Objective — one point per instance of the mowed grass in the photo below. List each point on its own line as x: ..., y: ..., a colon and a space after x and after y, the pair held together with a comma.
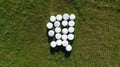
x: 23, y: 40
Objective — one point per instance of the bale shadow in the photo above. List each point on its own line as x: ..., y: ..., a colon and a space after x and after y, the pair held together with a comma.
x: 56, y: 49
x: 52, y: 50
x: 70, y: 42
x: 67, y: 54
x: 61, y: 49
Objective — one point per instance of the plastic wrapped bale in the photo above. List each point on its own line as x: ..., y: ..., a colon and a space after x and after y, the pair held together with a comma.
x: 71, y: 29
x: 53, y: 44
x: 52, y: 18
x: 58, y: 30
x: 51, y: 33
x: 68, y: 48
x: 72, y: 16
x: 71, y: 23
x: 49, y: 25
x: 58, y: 36
x: 66, y: 16
x: 64, y: 30
x: 56, y: 23
x: 59, y: 42
x: 59, y: 17
x: 64, y: 23
x: 70, y: 36
x: 64, y: 37
x: 65, y: 43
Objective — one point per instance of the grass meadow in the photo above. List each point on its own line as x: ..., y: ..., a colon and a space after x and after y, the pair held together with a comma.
x: 23, y: 40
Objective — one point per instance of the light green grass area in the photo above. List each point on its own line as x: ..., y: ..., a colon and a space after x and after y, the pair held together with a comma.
x: 23, y: 40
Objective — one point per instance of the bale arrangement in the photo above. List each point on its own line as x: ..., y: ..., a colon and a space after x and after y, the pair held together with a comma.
x: 61, y: 27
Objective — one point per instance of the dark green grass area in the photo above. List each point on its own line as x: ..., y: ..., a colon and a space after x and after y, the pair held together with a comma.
x: 23, y: 40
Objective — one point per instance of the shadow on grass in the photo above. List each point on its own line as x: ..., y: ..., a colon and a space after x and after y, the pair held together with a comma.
x: 61, y: 49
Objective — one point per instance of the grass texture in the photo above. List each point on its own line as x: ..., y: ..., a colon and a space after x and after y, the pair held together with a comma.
x: 23, y: 40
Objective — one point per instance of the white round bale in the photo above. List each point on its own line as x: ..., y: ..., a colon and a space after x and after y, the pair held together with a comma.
x: 49, y: 25
x: 72, y: 16
x: 71, y: 29
x: 65, y: 43
x: 59, y: 42
x: 64, y: 30
x: 59, y: 17
x: 64, y: 23
x: 53, y: 44
x: 56, y: 23
x: 71, y: 23
x: 68, y: 48
x: 51, y: 33
x: 57, y: 29
x: 58, y: 36
x: 70, y: 36
x: 64, y: 37
x: 52, y: 18
x: 66, y: 16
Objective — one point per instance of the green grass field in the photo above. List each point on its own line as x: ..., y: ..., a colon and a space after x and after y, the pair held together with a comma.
x: 23, y: 40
